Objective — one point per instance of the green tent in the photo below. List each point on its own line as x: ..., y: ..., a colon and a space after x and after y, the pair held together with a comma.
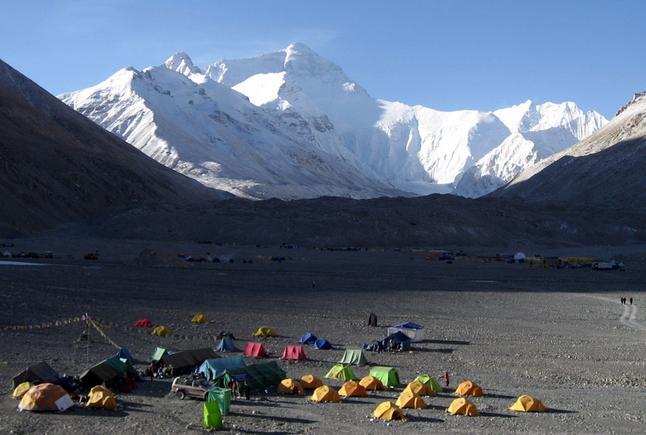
x: 259, y: 376
x: 212, y: 415
x: 430, y: 381
x: 354, y: 357
x: 107, y: 372
x: 341, y: 373
x: 387, y: 375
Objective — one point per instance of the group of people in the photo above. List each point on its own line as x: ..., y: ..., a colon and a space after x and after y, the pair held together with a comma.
x: 624, y: 300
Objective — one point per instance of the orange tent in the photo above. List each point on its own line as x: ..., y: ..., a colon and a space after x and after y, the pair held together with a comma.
x: 325, y: 394
x: 420, y: 389
x: 311, y: 382
x: 45, y: 397
x: 294, y: 353
x: 463, y: 407
x: 526, y: 403
x: 290, y: 386
x: 371, y: 383
x: 255, y: 350
x: 352, y: 389
x: 388, y: 411
x: 408, y: 399
x: 101, y: 397
x: 468, y: 388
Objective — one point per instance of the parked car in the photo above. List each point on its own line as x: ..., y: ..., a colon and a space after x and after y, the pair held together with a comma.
x: 184, y: 387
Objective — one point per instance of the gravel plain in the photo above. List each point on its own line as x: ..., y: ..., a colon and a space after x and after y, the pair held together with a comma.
x: 560, y: 335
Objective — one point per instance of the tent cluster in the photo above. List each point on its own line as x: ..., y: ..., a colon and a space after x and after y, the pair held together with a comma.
x: 317, y: 343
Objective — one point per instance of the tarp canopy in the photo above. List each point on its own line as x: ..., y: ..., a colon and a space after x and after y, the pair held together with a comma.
x: 415, y: 334
x: 468, y: 388
x: 354, y: 357
x: 311, y: 382
x: 407, y: 325
x: 526, y: 403
x: 462, y: 406
x: 226, y: 345
x: 143, y: 323
x: 341, y: 373
x: 408, y: 399
x: 262, y: 376
x: 307, y: 338
x: 45, y: 397
x: 293, y: 353
x: 322, y: 344
x: 430, y: 382
x: 325, y: 394
x: 255, y: 350
x: 107, y: 372
x: 264, y: 331
x: 387, y: 375
x: 352, y: 389
x: 213, y: 368
x: 388, y: 411
x: 36, y: 374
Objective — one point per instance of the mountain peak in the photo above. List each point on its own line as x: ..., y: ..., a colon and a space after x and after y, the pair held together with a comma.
x: 181, y: 63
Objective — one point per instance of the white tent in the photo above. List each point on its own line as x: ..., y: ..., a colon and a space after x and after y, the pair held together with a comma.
x: 519, y: 257
x: 412, y: 330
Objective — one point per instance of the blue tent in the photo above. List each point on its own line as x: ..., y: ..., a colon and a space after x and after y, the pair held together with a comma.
x: 398, y: 341
x: 408, y: 325
x: 213, y: 368
x: 226, y: 345
x: 308, y: 338
x: 124, y: 353
x: 322, y: 343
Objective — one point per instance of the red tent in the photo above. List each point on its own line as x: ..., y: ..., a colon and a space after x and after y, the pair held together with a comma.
x: 293, y: 353
x: 143, y: 323
x: 255, y: 350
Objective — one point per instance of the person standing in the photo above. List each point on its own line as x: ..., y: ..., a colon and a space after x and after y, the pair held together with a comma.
x: 446, y: 378
x: 631, y: 301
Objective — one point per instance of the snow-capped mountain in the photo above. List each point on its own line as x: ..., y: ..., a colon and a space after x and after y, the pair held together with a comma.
x: 537, y: 131
x: 214, y: 134
x: 292, y: 124
x: 606, y: 169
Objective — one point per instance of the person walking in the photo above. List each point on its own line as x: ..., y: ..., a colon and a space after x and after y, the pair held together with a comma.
x: 446, y: 379
x: 631, y: 301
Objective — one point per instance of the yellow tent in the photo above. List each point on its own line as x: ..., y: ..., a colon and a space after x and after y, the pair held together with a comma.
x: 352, y: 389
x: 407, y: 399
x: 526, y: 403
x: 21, y: 389
x: 371, y: 383
x: 45, y: 397
x: 264, y: 331
x: 420, y: 389
x: 388, y: 411
x: 290, y: 386
x: 463, y: 407
x: 161, y: 331
x: 325, y: 394
x: 101, y: 397
x: 199, y: 318
x: 468, y: 388
x: 311, y: 382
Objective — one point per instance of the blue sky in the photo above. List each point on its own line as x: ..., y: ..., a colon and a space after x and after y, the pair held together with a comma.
x: 453, y: 54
